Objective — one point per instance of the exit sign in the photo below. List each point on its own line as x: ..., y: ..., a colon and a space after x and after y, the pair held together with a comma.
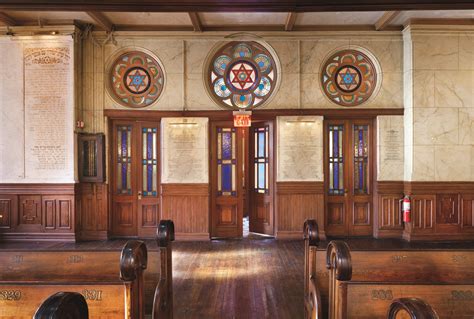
x: 242, y: 119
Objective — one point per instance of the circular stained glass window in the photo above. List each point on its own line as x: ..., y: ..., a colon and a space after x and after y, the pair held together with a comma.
x: 242, y: 75
x: 136, y: 79
x: 349, y: 77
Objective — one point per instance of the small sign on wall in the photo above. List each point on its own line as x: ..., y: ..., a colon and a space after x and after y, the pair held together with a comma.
x: 242, y: 119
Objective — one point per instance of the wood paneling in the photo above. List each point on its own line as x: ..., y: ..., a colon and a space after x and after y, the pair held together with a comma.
x: 440, y: 211
x: 37, y: 211
x: 296, y: 202
x: 388, y: 214
x: 187, y: 205
x: 93, y: 215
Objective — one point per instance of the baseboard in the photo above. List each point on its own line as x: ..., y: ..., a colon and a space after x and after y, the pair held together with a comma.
x: 86, y: 235
x: 63, y: 237
x: 438, y: 237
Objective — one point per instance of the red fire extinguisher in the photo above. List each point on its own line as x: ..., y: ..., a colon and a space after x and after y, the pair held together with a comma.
x: 406, y: 209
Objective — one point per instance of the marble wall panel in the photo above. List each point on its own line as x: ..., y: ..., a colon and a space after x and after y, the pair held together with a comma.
x: 185, y: 150
x: 435, y: 52
x: 452, y: 163
x: 300, y: 148
x: 390, y: 145
x: 454, y: 89
x: 466, y: 51
x: 435, y: 126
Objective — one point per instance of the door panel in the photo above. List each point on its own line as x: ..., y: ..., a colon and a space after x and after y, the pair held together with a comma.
x: 135, y: 179
x: 226, y: 177
x: 261, y: 175
x: 348, y: 177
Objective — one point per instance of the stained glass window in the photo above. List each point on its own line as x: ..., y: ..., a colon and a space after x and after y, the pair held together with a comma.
x: 136, y: 79
x: 89, y: 149
x: 149, y: 161
x: 226, y: 161
x: 361, y: 155
x: 349, y: 77
x: 261, y: 159
x: 336, y: 160
x: 124, y: 160
x: 242, y: 75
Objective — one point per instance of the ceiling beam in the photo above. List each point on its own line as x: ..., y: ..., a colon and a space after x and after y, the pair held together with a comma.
x: 385, y: 19
x: 197, y: 25
x: 290, y: 21
x: 234, y: 5
x: 7, y: 20
x: 101, y: 20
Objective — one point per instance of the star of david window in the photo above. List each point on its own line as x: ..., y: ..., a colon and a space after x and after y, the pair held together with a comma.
x: 136, y: 79
x: 349, y: 77
x: 242, y: 75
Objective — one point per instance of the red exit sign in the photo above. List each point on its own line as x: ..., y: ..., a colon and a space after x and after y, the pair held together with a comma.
x: 242, y: 120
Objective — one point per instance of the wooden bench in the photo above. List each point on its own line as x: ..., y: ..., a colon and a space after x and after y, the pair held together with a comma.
x: 413, y: 308
x: 433, y: 265
x: 371, y: 299
x: 68, y: 305
x: 90, y: 266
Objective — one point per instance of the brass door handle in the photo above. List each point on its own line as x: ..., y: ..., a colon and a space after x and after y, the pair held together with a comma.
x: 139, y: 195
x: 345, y: 191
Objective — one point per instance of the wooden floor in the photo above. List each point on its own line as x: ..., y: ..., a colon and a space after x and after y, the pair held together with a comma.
x: 240, y: 279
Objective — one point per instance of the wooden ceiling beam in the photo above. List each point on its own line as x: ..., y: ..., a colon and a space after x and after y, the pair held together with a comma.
x: 234, y: 5
x: 101, y: 20
x: 197, y: 25
x: 7, y: 20
x: 290, y: 21
x: 385, y: 20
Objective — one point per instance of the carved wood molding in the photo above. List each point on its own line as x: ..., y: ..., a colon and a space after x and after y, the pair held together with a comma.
x: 389, y: 187
x: 293, y: 188
x: 431, y: 188
x: 63, y: 189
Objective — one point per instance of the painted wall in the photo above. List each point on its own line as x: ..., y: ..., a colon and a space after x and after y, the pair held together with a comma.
x: 439, y: 103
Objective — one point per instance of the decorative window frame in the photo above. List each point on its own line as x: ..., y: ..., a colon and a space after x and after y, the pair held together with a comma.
x: 375, y: 61
x: 208, y: 64
x: 108, y: 69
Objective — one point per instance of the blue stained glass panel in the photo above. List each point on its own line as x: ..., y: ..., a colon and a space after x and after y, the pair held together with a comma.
x: 124, y: 159
x: 261, y: 144
x: 336, y: 160
x: 149, y: 142
x: 227, y: 177
x: 226, y: 145
x: 261, y: 175
x: 360, y: 159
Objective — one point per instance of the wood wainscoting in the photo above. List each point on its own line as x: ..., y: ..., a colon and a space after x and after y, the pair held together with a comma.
x: 388, y: 214
x: 187, y: 205
x: 296, y: 202
x: 37, y: 212
x: 92, y: 208
x: 440, y: 211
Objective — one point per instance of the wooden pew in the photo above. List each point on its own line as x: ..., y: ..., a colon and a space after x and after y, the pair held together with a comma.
x: 312, y: 297
x: 413, y: 308
x: 371, y: 299
x: 63, y: 305
x: 79, y: 265
x: 119, y: 297
x: 433, y: 265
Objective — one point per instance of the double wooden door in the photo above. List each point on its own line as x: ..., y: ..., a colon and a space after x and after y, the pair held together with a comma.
x: 349, y: 162
x: 135, y: 178
x: 241, y: 175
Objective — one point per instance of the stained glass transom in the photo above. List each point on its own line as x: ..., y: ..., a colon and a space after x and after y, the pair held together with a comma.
x: 261, y: 160
x: 136, y: 79
x: 349, y: 78
x: 242, y: 75
x: 226, y: 162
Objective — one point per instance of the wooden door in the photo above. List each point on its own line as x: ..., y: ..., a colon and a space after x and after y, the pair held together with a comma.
x: 261, y: 177
x: 135, y: 179
x: 226, y: 180
x: 348, y: 153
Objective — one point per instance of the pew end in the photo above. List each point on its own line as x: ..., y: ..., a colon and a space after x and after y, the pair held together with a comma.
x: 415, y: 308
x: 312, y: 297
x: 163, y: 296
x: 69, y: 305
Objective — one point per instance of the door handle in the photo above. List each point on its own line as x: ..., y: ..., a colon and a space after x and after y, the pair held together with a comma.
x: 345, y: 191
x: 139, y: 195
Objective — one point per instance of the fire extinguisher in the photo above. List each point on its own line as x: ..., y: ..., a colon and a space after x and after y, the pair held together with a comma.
x: 406, y: 209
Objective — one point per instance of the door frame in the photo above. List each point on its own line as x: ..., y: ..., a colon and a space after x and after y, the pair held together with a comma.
x: 372, y: 170
x: 273, y: 182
